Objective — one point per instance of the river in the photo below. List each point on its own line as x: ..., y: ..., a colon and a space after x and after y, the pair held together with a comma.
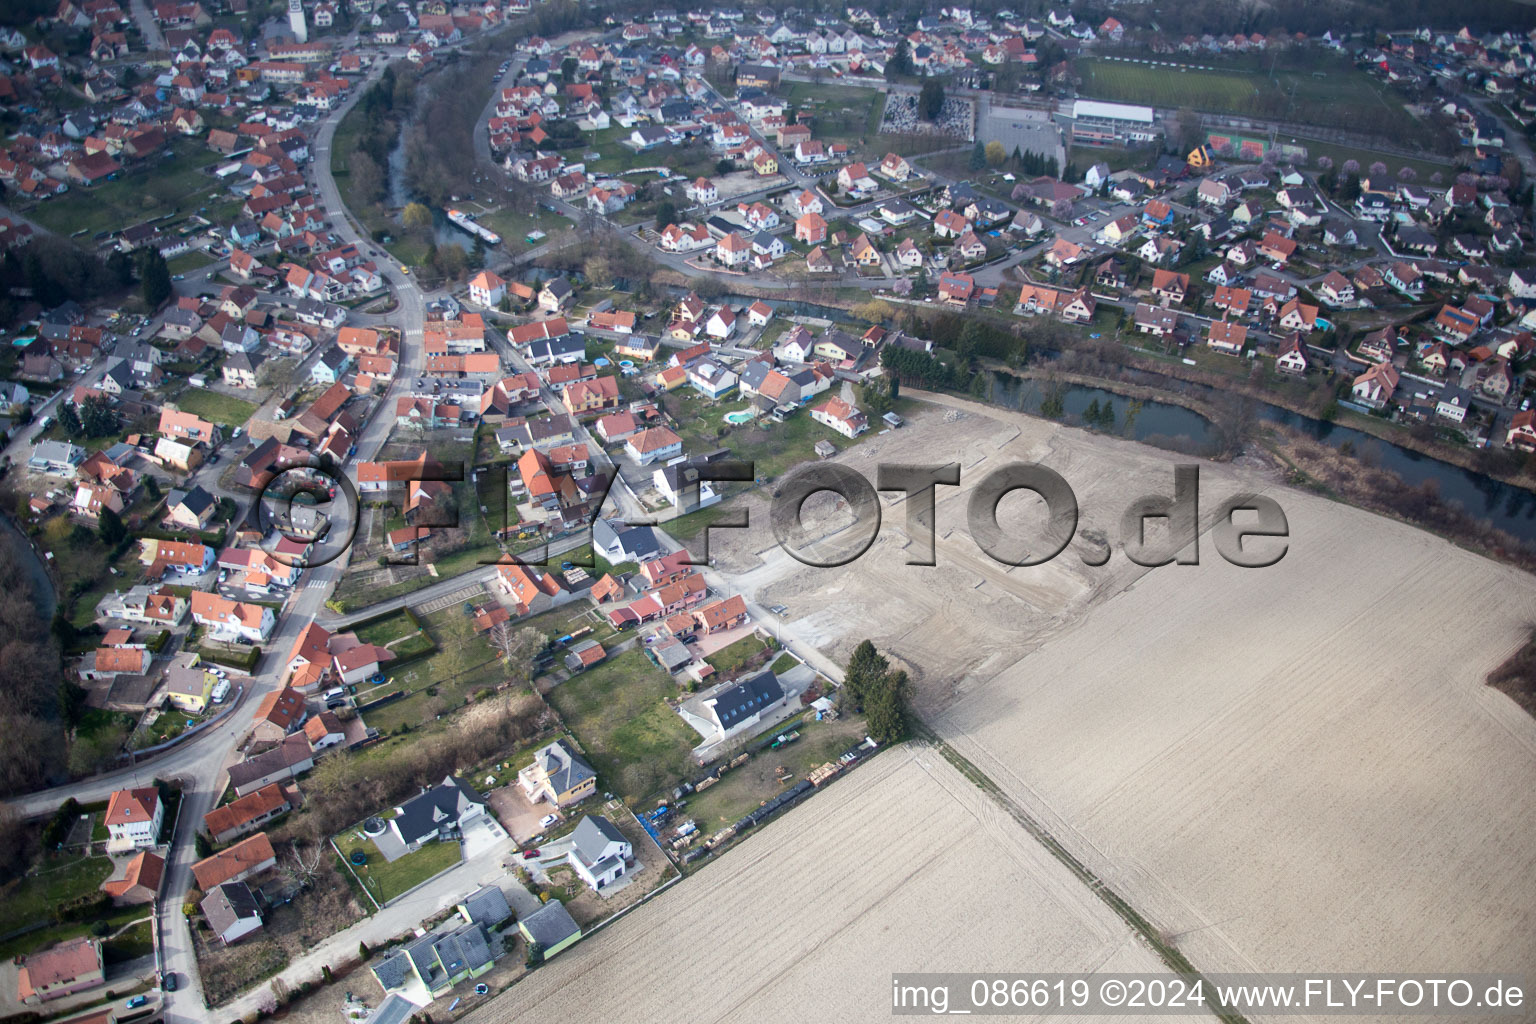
x: 1507, y: 507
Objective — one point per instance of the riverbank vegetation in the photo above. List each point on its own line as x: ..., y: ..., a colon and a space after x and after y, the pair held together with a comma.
x: 37, y: 706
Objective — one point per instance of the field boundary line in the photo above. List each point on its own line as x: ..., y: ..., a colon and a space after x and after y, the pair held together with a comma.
x: 1168, y: 953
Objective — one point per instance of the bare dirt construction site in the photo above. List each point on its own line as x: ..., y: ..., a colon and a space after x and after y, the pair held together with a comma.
x: 904, y: 865
x: 1289, y: 768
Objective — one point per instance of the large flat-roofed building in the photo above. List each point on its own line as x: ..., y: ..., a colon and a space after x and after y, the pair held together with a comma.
x: 1095, y: 123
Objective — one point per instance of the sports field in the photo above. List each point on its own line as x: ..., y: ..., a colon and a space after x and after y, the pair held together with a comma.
x: 1337, y: 95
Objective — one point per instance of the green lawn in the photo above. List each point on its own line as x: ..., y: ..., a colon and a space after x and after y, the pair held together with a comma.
x: 1328, y: 91
x: 568, y: 619
x: 687, y: 527
x: 783, y: 663
x: 731, y: 659
x: 190, y: 261
x: 155, y: 188
x: 1366, y: 157
x: 130, y: 944
x: 225, y: 410
x: 618, y: 711
x: 387, y: 880
x: 843, y: 113
x: 35, y: 897
x: 398, y: 632
x: 776, y: 448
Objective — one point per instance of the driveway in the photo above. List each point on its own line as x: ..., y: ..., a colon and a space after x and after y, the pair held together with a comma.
x: 517, y: 813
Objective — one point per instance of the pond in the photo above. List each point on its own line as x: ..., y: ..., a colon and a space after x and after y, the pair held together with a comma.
x: 1505, y: 506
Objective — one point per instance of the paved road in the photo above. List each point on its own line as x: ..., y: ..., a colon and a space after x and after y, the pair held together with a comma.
x: 396, y: 919
x: 148, y: 25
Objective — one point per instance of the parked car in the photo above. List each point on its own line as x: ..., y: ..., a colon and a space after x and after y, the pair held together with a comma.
x: 549, y: 821
x: 168, y: 981
x: 136, y: 1002
x: 530, y: 853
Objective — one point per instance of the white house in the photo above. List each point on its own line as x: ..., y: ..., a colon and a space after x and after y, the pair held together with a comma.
x: 599, y: 852
x: 741, y: 707
x: 134, y: 817
x: 722, y: 324
x: 487, y: 289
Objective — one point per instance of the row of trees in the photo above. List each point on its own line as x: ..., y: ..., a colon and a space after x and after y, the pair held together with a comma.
x: 383, y: 107
x: 35, y: 709
x: 440, y: 141
x: 54, y: 270
x: 882, y: 693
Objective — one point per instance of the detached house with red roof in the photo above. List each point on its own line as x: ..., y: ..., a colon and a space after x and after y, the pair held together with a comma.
x: 232, y: 620
x: 1374, y: 387
x: 134, y: 817
x: 279, y: 713
x: 841, y: 417
x: 69, y: 967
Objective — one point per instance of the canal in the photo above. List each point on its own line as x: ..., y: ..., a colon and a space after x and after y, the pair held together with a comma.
x: 1507, y: 507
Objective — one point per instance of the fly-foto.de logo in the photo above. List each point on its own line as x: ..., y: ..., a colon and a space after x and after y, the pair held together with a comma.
x: 317, y: 507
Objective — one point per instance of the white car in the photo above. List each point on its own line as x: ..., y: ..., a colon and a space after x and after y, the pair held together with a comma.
x: 549, y: 821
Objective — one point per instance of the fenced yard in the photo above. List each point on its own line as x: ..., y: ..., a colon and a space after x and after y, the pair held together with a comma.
x: 387, y: 880
x: 618, y: 710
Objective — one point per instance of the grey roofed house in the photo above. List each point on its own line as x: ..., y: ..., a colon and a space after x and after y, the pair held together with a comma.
x: 486, y: 906
x: 443, y: 806
x: 753, y: 372
x: 684, y: 472
x: 671, y: 654
x: 960, y: 195
x: 991, y: 211
x: 1411, y: 237
x: 237, y: 335
x: 183, y: 318
x: 242, y: 362
x: 592, y: 834
x: 66, y: 312
x: 464, y: 949
x: 121, y: 375
x: 195, y: 501
x: 289, y: 758
x: 559, y: 287
x: 563, y: 767
x: 120, y: 453
x: 744, y: 700
x: 540, y: 431
x: 635, y: 544
x: 56, y: 457
x: 554, y: 348
x: 550, y: 925
x: 392, y: 971
x: 676, y: 110
x: 228, y: 905
x: 652, y: 135
x: 395, y: 1009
